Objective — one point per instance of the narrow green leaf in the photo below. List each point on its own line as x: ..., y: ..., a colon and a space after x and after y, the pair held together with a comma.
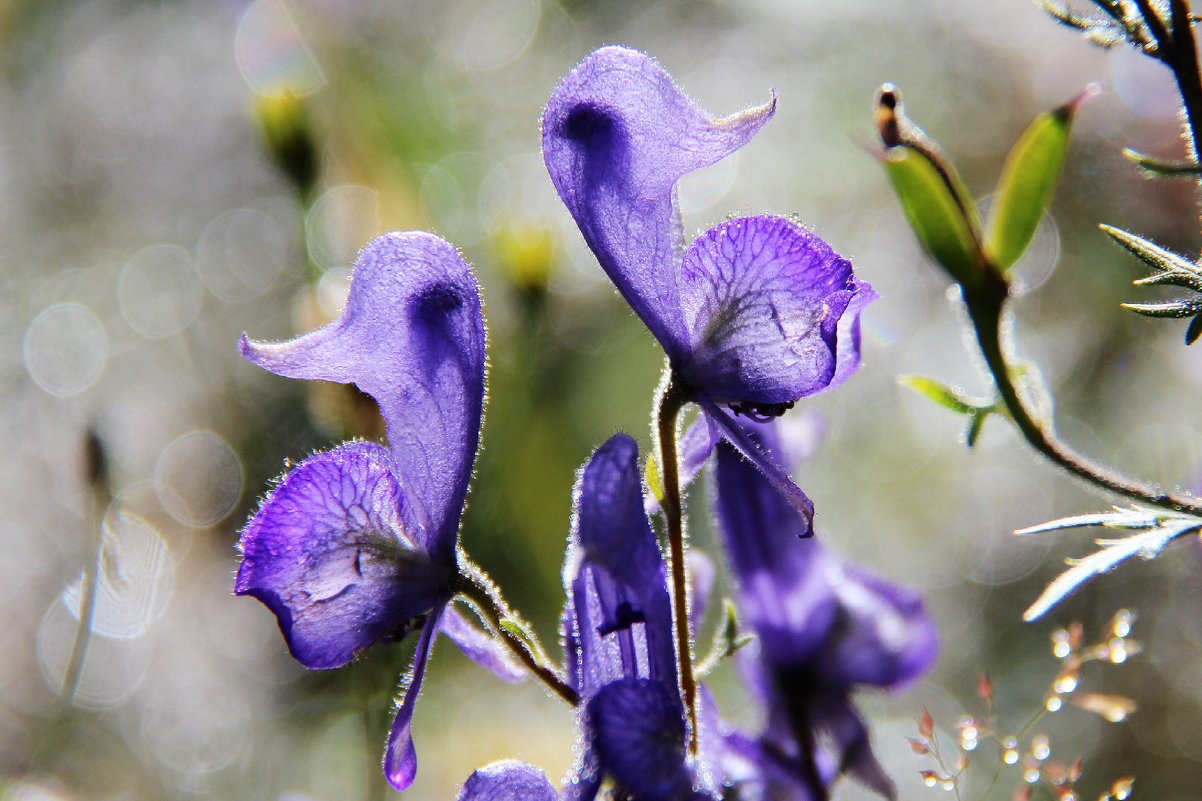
x: 946, y: 228
x: 651, y: 476
x: 942, y: 394
x: 517, y: 630
x: 1161, y: 168
x: 1194, y: 331
x: 1171, y: 279
x: 1175, y: 309
x: 1028, y: 182
x: 1152, y: 254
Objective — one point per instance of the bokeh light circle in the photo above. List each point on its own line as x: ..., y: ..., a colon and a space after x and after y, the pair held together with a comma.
x: 198, y: 479
x: 159, y: 291
x: 240, y: 254
x: 65, y: 349
x: 272, y: 54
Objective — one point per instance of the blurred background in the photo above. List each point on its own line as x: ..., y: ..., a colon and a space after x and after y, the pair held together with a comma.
x: 172, y: 174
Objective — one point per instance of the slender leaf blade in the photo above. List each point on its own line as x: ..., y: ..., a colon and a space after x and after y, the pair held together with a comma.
x: 1028, y: 182
x: 941, y: 393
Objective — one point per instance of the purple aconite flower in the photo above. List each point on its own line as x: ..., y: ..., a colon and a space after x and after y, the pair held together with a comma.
x: 357, y: 545
x: 621, y: 658
x: 755, y: 314
x: 823, y: 628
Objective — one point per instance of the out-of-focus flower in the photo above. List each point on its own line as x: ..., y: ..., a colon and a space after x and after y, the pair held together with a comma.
x: 508, y: 780
x: 357, y: 545
x: 759, y: 311
x: 618, y: 637
x: 823, y: 628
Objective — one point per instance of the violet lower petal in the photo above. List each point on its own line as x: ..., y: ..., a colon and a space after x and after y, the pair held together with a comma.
x: 886, y: 639
x: 639, y: 734
x: 334, y: 553
x: 400, y: 756
x: 783, y: 593
x: 509, y: 780
x: 617, y: 136
x: 766, y: 462
x: 412, y: 337
x: 762, y: 299
x: 847, y: 357
x: 480, y: 647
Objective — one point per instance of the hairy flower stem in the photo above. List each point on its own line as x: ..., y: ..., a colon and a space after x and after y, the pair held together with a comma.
x: 476, y: 585
x: 671, y: 400
x: 986, y: 304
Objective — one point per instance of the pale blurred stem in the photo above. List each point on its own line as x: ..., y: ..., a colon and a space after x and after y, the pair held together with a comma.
x: 476, y: 585
x: 986, y: 304
x: 672, y: 400
x: 93, y: 549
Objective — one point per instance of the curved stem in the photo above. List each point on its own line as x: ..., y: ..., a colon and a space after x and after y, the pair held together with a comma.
x: 671, y: 400
x: 476, y: 585
x: 985, y: 307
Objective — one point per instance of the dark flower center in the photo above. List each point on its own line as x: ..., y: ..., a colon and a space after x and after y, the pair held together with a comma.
x: 761, y: 412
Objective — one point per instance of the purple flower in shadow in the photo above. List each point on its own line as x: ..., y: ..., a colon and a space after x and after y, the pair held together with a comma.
x: 357, y: 545
x: 823, y: 628
x: 755, y: 314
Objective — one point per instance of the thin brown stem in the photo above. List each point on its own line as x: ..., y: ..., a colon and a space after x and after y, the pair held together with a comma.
x: 671, y: 401
x: 486, y: 596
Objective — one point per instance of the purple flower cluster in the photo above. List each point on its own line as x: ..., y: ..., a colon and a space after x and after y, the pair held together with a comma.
x: 359, y: 544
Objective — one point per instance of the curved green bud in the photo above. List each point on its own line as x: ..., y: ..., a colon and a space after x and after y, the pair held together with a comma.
x: 1028, y: 182
x: 934, y: 199
x: 939, y: 221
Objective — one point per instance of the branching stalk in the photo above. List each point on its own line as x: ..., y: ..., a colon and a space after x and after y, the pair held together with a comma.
x: 985, y: 308
x: 475, y: 584
x: 671, y: 401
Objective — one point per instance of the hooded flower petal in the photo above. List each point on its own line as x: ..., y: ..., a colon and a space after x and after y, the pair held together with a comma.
x: 334, y: 553
x: 620, y: 614
x: 507, y: 781
x: 617, y: 136
x: 400, y: 756
x: 412, y: 337
x: 763, y: 299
